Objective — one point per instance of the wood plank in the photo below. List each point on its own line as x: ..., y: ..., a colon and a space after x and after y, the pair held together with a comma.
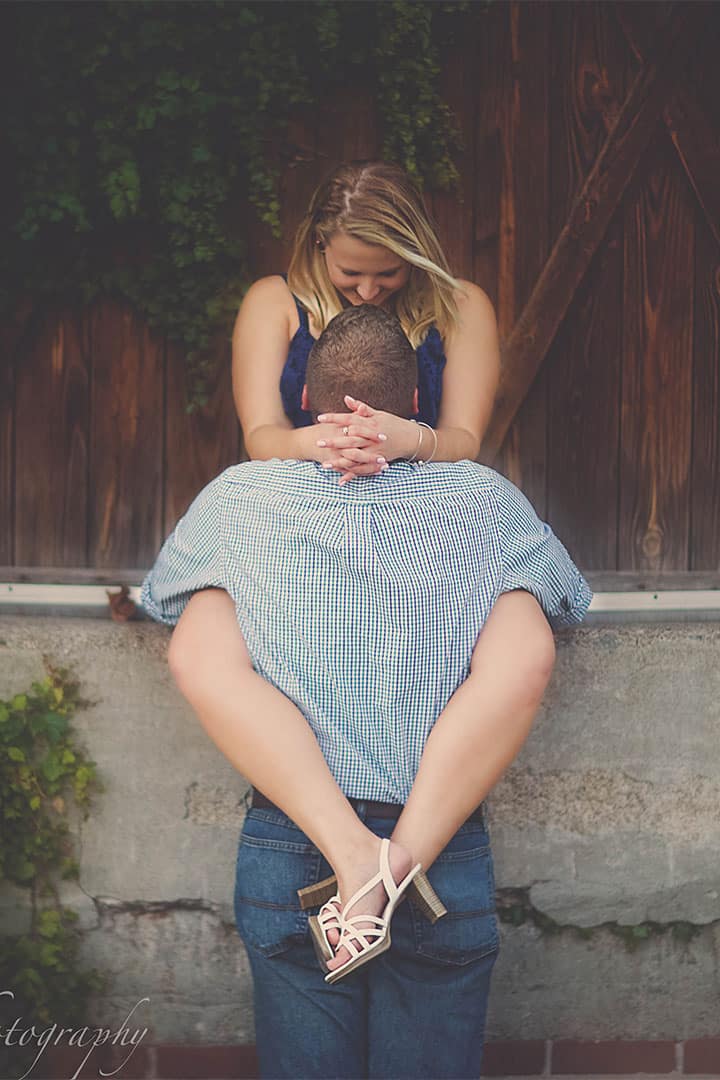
x: 584, y: 373
x: 13, y: 345
x: 591, y: 71
x: 453, y: 210
x: 201, y: 444
x: 71, y: 575
x: 51, y: 444
x: 526, y: 173
x: 657, y: 371
x: 492, y: 71
x: 269, y: 254
x: 590, y: 216
x: 696, y: 137
x: 703, y: 76
x: 7, y: 448
x: 525, y: 205
x: 651, y: 581
x: 697, y: 142
x: 126, y: 482
x: 705, y: 498
x: 304, y: 164
x: 356, y: 135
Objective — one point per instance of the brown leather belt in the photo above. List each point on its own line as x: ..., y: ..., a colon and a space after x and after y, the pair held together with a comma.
x: 390, y: 811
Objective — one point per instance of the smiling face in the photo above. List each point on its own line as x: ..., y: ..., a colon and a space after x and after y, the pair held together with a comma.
x: 364, y: 273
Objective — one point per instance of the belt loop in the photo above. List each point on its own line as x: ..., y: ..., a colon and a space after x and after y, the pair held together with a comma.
x: 360, y: 808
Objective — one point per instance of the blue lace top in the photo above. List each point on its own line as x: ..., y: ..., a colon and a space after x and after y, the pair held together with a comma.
x: 430, y: 360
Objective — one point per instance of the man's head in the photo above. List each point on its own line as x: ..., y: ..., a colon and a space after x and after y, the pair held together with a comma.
x: 363, y: 352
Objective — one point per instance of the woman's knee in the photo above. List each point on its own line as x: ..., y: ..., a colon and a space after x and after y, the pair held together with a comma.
x: 518, y: 636
x: 207, y: 634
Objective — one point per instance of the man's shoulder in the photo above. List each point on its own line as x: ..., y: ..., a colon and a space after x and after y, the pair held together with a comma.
x: 467, y: 474
x: 484, y: 476
x: 480, y: 485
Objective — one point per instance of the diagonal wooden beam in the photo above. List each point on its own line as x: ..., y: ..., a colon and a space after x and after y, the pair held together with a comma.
x: 533, y: 334
x: 696, y: 139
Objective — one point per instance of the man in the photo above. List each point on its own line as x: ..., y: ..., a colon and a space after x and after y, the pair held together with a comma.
x: 362, y: 604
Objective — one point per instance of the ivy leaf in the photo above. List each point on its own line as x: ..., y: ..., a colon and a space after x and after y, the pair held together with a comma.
x: 15, y: 753
x: 55, y: 726
x: 51, y: 766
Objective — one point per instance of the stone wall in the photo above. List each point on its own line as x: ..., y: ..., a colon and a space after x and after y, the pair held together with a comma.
x: 605, y: 831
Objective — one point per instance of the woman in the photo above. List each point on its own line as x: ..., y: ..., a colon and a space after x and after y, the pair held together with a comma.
x: 366, y: 239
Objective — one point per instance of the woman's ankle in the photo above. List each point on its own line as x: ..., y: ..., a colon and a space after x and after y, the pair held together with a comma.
x: 356, y: 868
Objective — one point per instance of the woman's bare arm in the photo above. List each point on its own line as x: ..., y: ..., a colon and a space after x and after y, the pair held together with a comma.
x: 263, y: 329
x: 470, y: 379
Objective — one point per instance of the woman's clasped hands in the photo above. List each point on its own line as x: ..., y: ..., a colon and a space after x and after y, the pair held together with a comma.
x: 363, y: 441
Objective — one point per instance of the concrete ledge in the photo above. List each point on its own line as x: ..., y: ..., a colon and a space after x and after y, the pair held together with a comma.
x: 606, y: 823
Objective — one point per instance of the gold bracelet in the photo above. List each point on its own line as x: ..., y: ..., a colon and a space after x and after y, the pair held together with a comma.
x: 425, y: 461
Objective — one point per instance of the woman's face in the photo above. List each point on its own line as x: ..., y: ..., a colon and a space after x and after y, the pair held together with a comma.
x: 364, y: 273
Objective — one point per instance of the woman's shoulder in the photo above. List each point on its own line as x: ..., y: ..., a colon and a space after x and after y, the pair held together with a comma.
x: 475, y: 309
x: 471, y: 297
x: 269, y: 294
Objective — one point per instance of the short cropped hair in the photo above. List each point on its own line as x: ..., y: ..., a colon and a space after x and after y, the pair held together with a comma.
x: 363, y: 352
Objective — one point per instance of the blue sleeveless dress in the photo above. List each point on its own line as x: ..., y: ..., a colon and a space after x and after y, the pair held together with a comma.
x: 430, y: 361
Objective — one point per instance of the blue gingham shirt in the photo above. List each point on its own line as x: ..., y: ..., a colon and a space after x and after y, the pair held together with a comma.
x: 362, y: 603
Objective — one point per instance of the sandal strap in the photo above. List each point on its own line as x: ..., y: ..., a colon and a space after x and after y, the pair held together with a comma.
x: 350, y: 923
x: 330, y: 920
x: 383, y: 877
x: 356, y: 944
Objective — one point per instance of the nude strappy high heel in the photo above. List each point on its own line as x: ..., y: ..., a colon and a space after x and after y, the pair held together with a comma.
x: 420, y: 892
x: 365, y: 942
x: 328, y: 918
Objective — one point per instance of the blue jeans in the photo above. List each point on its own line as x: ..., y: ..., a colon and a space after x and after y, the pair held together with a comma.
x: 416, y: 1011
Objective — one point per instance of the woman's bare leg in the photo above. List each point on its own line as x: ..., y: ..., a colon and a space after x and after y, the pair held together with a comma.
x: 483, y: 726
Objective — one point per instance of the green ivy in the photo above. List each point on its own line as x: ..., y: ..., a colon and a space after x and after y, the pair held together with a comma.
x: 138, y: 132
x: 43, y: 775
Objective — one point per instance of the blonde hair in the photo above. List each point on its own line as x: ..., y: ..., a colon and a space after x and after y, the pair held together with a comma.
x: 378, y: 204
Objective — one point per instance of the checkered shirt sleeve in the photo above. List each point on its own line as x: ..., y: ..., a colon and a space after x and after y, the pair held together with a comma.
x: 535, y: 560
x: 192, y: 558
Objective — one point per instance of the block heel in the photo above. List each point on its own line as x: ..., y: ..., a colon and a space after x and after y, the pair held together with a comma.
x: 423, y: 895
x: 317, y: 895
x: 420, y: 892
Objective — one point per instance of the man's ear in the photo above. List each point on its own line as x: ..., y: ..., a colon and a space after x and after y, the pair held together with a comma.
x: 414, y: 403
x: 304, y: 398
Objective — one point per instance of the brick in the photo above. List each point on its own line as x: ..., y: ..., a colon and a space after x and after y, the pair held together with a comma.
x: 612, y: 1058
x: 181, y: 1062
x: 702, y: 1056
x: 513, y: 1058
x: 61, y: 1061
